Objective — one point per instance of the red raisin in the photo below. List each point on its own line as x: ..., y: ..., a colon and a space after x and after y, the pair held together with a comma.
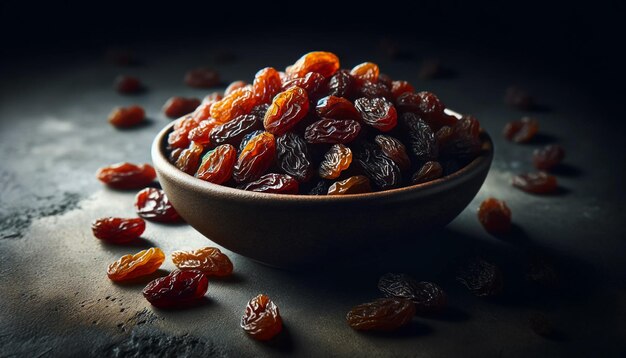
x: 342, y: 84
x: 495, y: 216
x: 178, y: 289
x: 118, y: 230
x: 336, y: 108
x: 152, y: 204
x: 313, y: 83
x: 128, y: 84
x: 240, y: 101
x: 266, y: 85
x: 366, y: 71
x: 400, y: 87
x: 336, y: 160
x: 255, y: 158
x: 332, y: 131
x: 324, y: 63
x: 176, y: 107
x: 126, y: 175
x: 126, y: 117
x: 394, y: 150
x: 548, y: 157
x: 210, y: 260
x: 189, y: 158
x: 217, y: 165
x: 536, y: 183
x: 521, y: 131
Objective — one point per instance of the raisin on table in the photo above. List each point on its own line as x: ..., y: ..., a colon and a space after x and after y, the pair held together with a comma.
x: 481, y: 278
x: 495, y: 216
x: 217, y: 165
x: 377, y: 112
x: 384, y: 314
x: 128, y: 84
x: 126, y: 117
x: 286, y: 110
x: 152, y: 204
x: 255, y: 158
x: 210, y: 260
x: 261, y: 319
x: 521, y: 131
x: 140, y: 264
x: 548, y: 157
x: 293, y: 157
x: 176, y: 290
x: 118, y: 230
x: 273, y: 183
x: 179, y: 106
x: 428, y: 172
x: 357, y: 184
x: 332, y: 131
x: 126, y: 175
x: 428, y: 297
x: 536, y: 183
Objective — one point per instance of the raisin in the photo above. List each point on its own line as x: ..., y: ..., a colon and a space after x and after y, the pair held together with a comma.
x: 176, y: 107
x: 428, y: 172
x: 321, y: 188
x: 428, y: 297
x: 179, y: 137
x: 201, y: 133
x: 175, y: 154
x: 374, y: 90
x: 152, y: 204
x: 126, y: 117
x: 495, y: 216
x: 521, y: 131
x: 313, y: 83
x: 260, y: 110
x: 400, y: 87
x: 240, y: 101
x: 261, y: 319
x: 140, y: 264
x: 518, y: 98
x: 377, y: 112
x: 266, y: 85
x: 336, y: 160
x: 118, y: 230
x: 380, y: 169
x: 178, y: 289
x: 293, y: 156
x: 548, y: 157
x: 536, y: 183
x: 126, y: 175
x: 273, y: 183
x: 202, y: 77
x: 332, y: 131
x: 366, y: 71
x: 217, y: 165
x: 210, y: 260
x: 128, y: 84
x: 202, y: 112
x: 189, y: 158
x: 342, y: 84
x: 394, y: 150
x: 444, y: 136
x: 336, y: 108
x: 247, y: 137
x: 286, y: 110
x: 384, y: 314
x: 421, y: 138
x: 255, y: 158
x: 353, y: 185
x: 232, y: 132
x: 482, y: 278
x: 234, y: 86
x: 324, y: 63
x: 464, y: 143
x: 427, y: 106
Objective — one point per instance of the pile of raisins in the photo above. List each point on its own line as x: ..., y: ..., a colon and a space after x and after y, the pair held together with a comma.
x: 318, y: 129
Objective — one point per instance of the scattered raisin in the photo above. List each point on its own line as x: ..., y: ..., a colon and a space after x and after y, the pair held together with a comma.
x: 176, y: 107
x: 353, y: 185
x: 261, y: 319
x: 377, y: 112
x: 210, y: 260
x: 152, y: 204
x: 202, y: 77
x: 482, y: 278
x: 521, y: 131
x: 126, y: 175
x: 332, y: 131
x: 118, y: 230
x: 384, y: 314
x: 126, y: 117
x: 428, y: 297
x: 255, y: 158
x: 140, y: 264
x: 217, y: 165
x: 548, y: 157
x: 336, y: 160
x: 495, y: 216
x: 178, y: 289
x: 293, y: 156
x: 286, y: 110
x: 536, y: 183
x: 428, y: 172
x: 128, y: 84
x: 273, y: 183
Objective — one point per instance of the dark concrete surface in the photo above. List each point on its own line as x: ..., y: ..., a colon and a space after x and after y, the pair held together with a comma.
x: 57, y: 301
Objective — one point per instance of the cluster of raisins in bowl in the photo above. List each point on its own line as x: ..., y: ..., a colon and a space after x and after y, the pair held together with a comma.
x: 318, y: 129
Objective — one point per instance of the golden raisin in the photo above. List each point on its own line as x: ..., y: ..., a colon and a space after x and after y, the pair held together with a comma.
x: 142, y: 263
x: 209, y: 260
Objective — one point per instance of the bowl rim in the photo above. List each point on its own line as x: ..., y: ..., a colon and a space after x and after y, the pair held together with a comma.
x: 162, y: 165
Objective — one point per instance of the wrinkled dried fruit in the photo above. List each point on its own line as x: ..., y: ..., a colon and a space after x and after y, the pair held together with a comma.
x: 140, y: 264
x: 239, y: 102
x: 464, y: 143
x: 262, y: 319
x: 495, y: 216
x: 126, y: 175
x: 394, y: 150
x: 217, y: 165
x: 189, y: 158
x: 234, y: 86
x: 202, y: 112
x: 152, y: 204
x: 313, y: 83
x: 377, y: 112
x: 482, y: 278
x: 428, y: 172
x: 374, y: 90
x: 332, y: 131
x: 379, y: 168
x: 421, y: 138
x: 178, y: 289
x: 202, y: 77
x: 384, y: 314
x: 427, y: 106
x: 232, y: 132
x: 357, y: 184
x: 126, y: 117
x: 428, y: 297
x: 286, y: 110
x: 548, y: 157
x: 336, y: 160
x: 128, y: 84
x: 255, y: 158
x: 324, y: 63
x: 336, y: 108
x: 266, y: 85
x: 179, y: 106
x: 210, y: 260
x: 366, y: 71
x: 518, y: 98
x: 201, y: 133
x: 179, y: 137
x: 521, y: 131
x: 536, y: 183
x: 293, y: 156
x: 342, y: 84
x: 274, y: 184
x: 400, y: 87
x: 118, y: 230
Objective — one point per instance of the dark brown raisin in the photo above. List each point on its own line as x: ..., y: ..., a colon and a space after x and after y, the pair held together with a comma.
x: 428, y: 172
x: 421, y: 138
x: 342, y: 84
x: 548, y: 157
x: 377, y: 112
x: 428, y: 297
x: 332, y: 131
x: 379, y: 168
x: 495, y: 216
x: 293, y: 156
x: 233, y: 131
x: 482, y: 278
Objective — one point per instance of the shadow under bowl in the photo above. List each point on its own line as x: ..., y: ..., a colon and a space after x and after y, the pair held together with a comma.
x: 295, y: 231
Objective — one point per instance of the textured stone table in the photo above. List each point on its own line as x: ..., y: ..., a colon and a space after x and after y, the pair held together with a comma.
x: 57, y: 301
